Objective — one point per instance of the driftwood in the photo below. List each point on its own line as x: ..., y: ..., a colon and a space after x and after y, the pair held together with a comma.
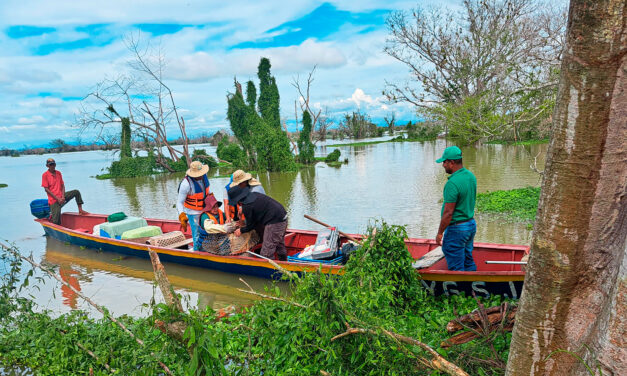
x: 495, y: 314
x: 480, y: 323
x: 436, y: 361
x: 88, y: 300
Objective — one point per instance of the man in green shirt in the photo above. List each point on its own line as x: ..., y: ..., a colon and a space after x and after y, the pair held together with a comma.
x: 457, y: 225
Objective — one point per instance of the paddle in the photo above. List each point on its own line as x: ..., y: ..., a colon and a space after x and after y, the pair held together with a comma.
x: 326, y: 225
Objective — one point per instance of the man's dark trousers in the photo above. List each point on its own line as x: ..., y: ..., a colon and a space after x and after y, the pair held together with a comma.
x: 274, y: 240
x: 55, y: 209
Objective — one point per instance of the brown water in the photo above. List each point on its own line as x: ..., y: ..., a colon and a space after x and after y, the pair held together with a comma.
x: 397, y: 182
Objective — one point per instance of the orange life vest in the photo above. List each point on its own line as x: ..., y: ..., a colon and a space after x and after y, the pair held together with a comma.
x: 195, y: 199
x: 231, y: 210
x: 220, y: 220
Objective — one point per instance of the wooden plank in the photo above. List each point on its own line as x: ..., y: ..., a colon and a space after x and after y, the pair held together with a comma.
x: 429, y: 258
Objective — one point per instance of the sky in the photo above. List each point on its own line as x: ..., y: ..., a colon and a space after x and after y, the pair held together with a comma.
x: 54, y: 53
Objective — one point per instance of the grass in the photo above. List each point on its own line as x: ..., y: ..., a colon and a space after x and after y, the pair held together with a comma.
x: 517, y: 204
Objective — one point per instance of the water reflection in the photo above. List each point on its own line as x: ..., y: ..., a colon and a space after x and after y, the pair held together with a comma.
x: 118, y: 279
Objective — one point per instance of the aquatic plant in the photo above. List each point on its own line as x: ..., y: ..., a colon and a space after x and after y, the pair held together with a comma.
x: 518, y: 204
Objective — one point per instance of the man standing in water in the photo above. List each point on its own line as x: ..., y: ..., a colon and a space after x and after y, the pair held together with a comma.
x: 52, y: 182
x: 457, y: 225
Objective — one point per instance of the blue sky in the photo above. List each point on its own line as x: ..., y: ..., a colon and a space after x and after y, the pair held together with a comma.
x: 55, y: 52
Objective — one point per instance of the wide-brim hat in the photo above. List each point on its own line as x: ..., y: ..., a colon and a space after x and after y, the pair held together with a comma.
x: 239, y: 177
x: 451, y: 152
x: 196, y: 169
x: 211, y: 200
x: 253, y: 182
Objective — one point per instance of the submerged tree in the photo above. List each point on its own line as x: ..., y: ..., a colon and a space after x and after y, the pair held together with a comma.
x: 142, y: 96
x: 305, y: 146
x: 498, y: 56
x: 259, y: 133
x: 125, y: 139
x: 574, y: 301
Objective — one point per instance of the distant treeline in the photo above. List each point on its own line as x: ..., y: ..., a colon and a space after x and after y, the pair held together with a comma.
x: 60, y: 146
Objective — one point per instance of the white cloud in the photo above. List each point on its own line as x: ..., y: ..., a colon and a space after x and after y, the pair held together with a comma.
x: 201, y: 66
x: 52, y: 102
x: 37, y: 119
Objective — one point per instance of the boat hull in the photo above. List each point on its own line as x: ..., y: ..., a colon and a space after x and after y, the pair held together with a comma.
x: 495, y: 280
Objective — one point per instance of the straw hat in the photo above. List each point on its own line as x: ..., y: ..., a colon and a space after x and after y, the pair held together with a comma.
x: 196, y: 169
x: 239, y: 177
x: 253, y: 182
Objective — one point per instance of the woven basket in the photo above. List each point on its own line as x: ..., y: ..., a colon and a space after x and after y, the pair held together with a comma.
x: 244, y: 242
x: 168, y: 240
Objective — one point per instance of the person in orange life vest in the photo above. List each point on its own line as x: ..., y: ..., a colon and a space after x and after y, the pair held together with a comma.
x: 191, y: 199
x: 215, y: 228
x: 53, y: 184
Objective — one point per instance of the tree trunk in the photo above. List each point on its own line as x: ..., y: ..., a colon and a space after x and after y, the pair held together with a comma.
x: 575, y: 293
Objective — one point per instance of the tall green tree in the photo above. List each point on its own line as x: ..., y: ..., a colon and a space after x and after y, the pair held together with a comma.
x: 269, y: 95
x: 259, y: 133
x: 305, y: 146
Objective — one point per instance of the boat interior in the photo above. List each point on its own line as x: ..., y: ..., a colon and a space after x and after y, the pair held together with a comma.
x: 488, y: 257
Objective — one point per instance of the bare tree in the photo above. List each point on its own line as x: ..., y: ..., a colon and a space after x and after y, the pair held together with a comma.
x: 572, y: 315
x: 304, y: 100
x: 503, y: 54
x: 141, y: 95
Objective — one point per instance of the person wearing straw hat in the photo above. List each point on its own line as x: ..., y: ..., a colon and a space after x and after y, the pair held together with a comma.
x: 458, y: 227
x: 242, y: 179
x: 193, y: 190
x: 245, y: 179
x: 262, y: 211
x: 53, y: 184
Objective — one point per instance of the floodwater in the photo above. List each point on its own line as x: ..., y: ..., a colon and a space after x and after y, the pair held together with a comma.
x: 397, y: 182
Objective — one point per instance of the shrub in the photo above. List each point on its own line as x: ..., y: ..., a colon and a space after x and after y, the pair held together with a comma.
x: 231, y: 152
x: 334, y: 156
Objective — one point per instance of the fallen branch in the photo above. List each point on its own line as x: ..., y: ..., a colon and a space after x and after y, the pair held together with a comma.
x: 253, y: 292
x: 437, y: 362
x: 273, y: 263
x: 164, y: 284
x: 85, y: 298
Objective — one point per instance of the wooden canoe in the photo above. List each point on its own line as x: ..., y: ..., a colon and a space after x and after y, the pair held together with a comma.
x: 501, y: 279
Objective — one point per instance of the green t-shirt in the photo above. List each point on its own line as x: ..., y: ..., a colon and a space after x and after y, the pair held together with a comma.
x: 461, y: 188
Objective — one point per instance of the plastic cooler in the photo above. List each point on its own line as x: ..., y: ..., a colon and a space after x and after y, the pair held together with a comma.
x: 116, y: 229
x: 40, y: 208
